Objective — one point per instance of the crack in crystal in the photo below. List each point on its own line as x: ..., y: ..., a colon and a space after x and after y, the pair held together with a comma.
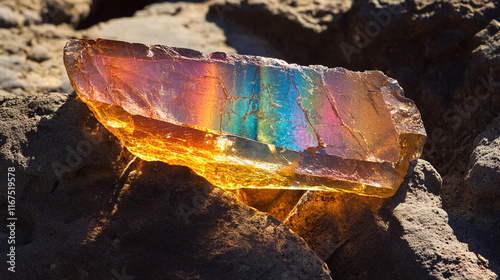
x: 169, y: 51
x: 271, y: 98
x: 140, y: 81
x: 333, y: 105
x: 372, y: 102
x: 227, y: 98
x: 252, y: 96
x: 287, y: 95
x: 321, y: 144
x: 261, y: 116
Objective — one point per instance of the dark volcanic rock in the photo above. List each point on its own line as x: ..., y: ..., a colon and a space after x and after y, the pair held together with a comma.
x: 404, y: 237
x: 86, y: 210
x: 54, y: 143
x: 197, y: 231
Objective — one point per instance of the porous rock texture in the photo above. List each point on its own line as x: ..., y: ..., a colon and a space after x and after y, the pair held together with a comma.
x: 87, y: 210
x: 411, y: 227
x: 483, y: 177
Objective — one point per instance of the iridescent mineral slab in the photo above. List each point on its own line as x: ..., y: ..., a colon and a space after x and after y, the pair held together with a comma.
x: 250, y: 122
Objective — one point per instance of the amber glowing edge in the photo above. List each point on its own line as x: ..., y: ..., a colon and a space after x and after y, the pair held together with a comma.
x: 135, y: 134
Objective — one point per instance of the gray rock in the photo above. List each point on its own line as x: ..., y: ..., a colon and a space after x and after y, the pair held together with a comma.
x: 487, y: 44
x: 484, y: 172
x: 10, y: 72
x: 9, y: 80
x: 174, y: 24
x: 9, y: 18
x: 13, y: 62
x: 43, y: 71
x: 483, y: 80
x: 182, y: 25
x: 32, y: 17
x: 11, y: 42
x: 14, y: 13
x: 83, y: 199
x: 39, y: 53
x: 404, y: 237
x: 66, y: 11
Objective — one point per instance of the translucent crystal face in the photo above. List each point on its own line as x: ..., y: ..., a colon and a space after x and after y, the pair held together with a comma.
x: 244, y: 121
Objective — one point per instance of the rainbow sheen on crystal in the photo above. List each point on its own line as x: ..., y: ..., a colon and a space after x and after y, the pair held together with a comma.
x: 252, y: 122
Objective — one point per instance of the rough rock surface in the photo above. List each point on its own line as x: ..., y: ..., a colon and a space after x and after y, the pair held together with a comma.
x: 14, y: 13
x: 30, y: 44
x: 183, y: 25
x: 174, y: 24
x: 484, y: 173
x: 30, y: 59
x: 83, y: 204
x: 51, y: 138
x: 349, y: 232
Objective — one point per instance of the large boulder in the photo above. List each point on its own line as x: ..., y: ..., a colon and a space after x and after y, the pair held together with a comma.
x: 81, y: 198
x: 404, y: 237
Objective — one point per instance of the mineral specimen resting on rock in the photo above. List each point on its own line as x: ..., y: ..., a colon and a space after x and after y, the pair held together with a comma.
x: 252, y: 122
